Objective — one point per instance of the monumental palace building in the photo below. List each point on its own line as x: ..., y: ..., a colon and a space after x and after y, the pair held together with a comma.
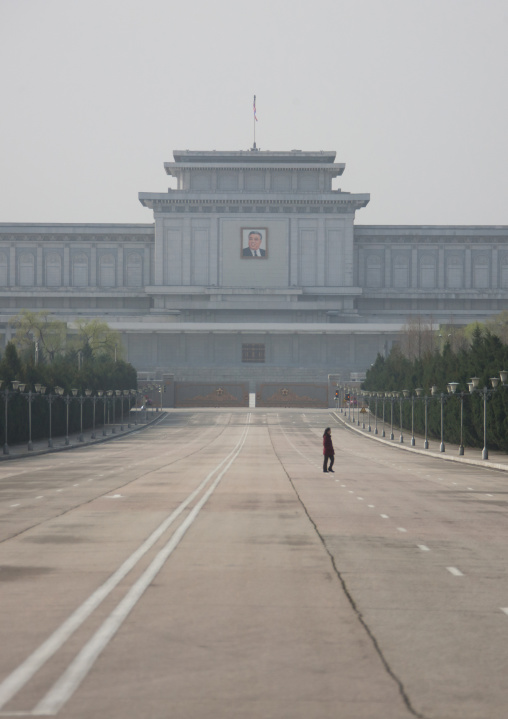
x: 253, y: 277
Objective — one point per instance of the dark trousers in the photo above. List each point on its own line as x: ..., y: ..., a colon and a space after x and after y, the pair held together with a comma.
x: 327, y: 457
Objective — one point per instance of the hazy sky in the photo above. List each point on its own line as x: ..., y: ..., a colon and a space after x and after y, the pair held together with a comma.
x: 96, y: 95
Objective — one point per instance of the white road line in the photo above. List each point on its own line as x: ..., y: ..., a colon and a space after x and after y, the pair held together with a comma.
x: 41, y: 496
x: 423, y: 547
x: 360, y: 499
x: 490, y: 495
x: 72, y: 677
x: 15, y: 505
x: 504, y: 609
x: 456, y: 572
x: 75, y: 485
x: 401, y: 529
x: 384, y: 516
x: 372, y: 506
x: 26, y: 670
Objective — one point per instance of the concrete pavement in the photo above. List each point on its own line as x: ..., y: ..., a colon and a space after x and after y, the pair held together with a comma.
x: 208, y: 568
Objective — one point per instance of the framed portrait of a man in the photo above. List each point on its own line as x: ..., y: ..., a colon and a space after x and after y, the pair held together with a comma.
x: 254, y: 243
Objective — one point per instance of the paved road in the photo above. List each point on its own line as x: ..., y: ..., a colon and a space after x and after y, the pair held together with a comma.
x: 207, y: 568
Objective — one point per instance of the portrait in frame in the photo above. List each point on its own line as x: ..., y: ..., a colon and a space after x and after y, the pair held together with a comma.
x: 254, y: 243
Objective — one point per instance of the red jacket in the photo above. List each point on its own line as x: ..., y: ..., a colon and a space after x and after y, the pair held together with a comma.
x: 327, y: 445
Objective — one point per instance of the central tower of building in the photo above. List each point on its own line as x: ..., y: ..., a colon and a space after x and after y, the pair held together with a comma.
x: 226, y: 203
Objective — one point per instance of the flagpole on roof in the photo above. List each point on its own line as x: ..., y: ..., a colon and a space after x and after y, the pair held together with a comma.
x: 255, y: 119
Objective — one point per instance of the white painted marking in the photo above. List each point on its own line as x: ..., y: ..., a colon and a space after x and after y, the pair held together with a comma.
x: 454, y: 483
x: 41, y: 496
x: 113, y: 496
x: 342, y: 485
x: 15, y: 505
x: 470, y: 489
x: 505, y: 610
x: 360, y: 499
x: 384, y: 516
x: 490, y: 495
x: 456, y: 572
x: 15, y: 681
x: 372, y: 506
x: 59, y: 490
x: 423, y: 547
x: 69, y: 681
x: 401, y: 529
x: 75, y: 485
x: 351, y: 491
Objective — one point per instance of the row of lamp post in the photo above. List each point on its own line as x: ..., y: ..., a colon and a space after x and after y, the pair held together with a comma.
x: 418, y: 394
x: 107, y: 397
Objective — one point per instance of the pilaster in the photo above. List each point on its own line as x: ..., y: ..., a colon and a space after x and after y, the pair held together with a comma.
x: 66, y: 266
x: 440, y: 268
x: 159, y: 249
x: 38, y: 266
x: 12, y: 265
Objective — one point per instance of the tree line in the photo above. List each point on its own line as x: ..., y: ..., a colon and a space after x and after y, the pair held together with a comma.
x: 484, y: 355
x: 43, y: 352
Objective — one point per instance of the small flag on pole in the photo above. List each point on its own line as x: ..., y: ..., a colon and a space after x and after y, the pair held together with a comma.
x: 254, y: 109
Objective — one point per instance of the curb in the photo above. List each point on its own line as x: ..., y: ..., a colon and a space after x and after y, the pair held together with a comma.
x: 484, y: 463
x: 89, y: 443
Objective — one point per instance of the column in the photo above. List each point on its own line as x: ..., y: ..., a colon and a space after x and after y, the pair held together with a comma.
x: 321, y: 255
x: 12, y: 266
x: 120, y: 267
x: 388, y: 267
x: 159, y: 254
x: 67, y: 267
x: 414, y: 268
x: 467, y: 269
x: 186, y: 255
x: 440, y: 269
x: 93, y: 265
x: 495, y: 268
x: 38, y: 266
x: 293, y: 251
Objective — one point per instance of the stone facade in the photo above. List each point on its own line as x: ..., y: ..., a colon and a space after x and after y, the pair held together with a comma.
x: 324, y: 296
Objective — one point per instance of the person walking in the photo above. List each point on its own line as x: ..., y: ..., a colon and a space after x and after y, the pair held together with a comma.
x: 328, y: 451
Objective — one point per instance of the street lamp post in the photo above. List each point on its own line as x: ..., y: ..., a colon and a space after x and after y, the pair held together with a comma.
x: 119, y: 393
x: 29, y: 396
x: 406, y: 393
x: 67, y: 399
x: 368, y: 395
x: 7, y: 393
x: 375, y: 411
x: 434, y: 392
x: 127, y: 393
x: 419, y: 391
x: 103, y: 395
x: 392, y: 396
x: 80, y: 399
x: 111, y: 395
x: 401, y: 398
x: 134, y: 393
x: 88, y: 393
x: 383, y: 395
x: 452, y: 388
x: 50, y: 398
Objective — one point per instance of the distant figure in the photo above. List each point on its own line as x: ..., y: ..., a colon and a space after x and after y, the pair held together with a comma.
x: 328, y: 451
x: 253, y: 250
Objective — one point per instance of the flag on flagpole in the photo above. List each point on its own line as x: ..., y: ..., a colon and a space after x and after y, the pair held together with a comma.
x: 254, y: 109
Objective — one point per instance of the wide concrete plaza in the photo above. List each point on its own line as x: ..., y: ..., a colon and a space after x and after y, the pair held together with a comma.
x: 206, y: 567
